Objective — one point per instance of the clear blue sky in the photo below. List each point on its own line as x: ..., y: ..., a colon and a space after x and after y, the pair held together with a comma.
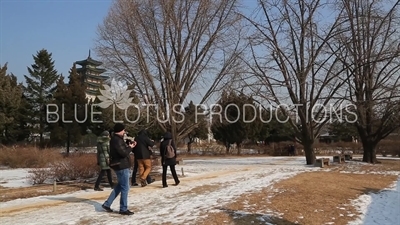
x: 66, y: 28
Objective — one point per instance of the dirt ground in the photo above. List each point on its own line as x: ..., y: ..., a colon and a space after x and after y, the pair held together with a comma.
x: 308, y: 198
x: 8, y: 194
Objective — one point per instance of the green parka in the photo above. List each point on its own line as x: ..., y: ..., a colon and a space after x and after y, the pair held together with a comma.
x: 103, y: 152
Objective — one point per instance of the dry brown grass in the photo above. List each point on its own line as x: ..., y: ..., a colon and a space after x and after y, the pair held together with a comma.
x: 28, y: 157
x: 202, y: 189
x: 85, y: 222
x: 308, y: 198
x: 319, y: 196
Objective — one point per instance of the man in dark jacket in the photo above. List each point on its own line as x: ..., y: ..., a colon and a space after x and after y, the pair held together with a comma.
x: 142, y: 155
x: 120, y: 163
x: 171, y: 162
x: 135, y: 170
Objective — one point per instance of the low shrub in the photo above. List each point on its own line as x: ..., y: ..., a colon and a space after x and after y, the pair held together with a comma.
x: 40, y: 175
x: 72, y: 167
x: 206, y: 148
x: 213, y: 149
x: 388, y: 147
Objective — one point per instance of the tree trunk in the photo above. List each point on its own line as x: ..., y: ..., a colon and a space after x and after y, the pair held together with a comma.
x: 41, y: 140
x: 239, y: 148
x: 189, y: 146
x: 369, y: 154
x: 265, y: 150
x: 309, y: 152
x: 175, y: 137
x: 41, y: 131
x: 68, y: 141
x: 227, y: 146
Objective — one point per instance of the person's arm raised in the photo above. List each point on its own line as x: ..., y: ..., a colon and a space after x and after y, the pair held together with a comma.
x: 122, y: 149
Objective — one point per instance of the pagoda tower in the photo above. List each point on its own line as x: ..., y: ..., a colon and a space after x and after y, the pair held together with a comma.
x: 91, y: 76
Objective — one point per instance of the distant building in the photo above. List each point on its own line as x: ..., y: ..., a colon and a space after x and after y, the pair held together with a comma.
x: 329, y: 138
x: 91, y: 76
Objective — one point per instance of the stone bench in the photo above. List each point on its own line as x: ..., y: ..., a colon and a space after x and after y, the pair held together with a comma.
x: 179, y: 161
x: 321, y: 162
x: 339, y: 158
x: 348, y: 157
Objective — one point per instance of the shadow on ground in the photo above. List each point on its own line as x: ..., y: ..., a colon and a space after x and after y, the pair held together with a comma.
x: 96, y: 205
x: 245, y: 218
x: 367, y: 190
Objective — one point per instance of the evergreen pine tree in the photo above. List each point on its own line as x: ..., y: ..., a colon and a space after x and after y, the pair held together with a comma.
x: 22, y: 128
x: 97, y: 126
x: 57, y: 135
x: 10, y: 103
x: 73, y: 111
x: 233, y: 127
x: 195, y: 118
x: 79, y: 107
x: 40, y: 88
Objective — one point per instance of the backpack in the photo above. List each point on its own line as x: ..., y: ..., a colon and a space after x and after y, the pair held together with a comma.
x: 170, y: 152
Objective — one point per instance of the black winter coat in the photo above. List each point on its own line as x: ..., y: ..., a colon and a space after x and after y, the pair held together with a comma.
x: 119, y: 153
x: 143, y: 143
x: 163, y: 149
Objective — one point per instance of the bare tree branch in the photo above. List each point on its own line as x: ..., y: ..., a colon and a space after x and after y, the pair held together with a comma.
x: 165, y: 48
x: 297, y: 60
x: 370, y: 39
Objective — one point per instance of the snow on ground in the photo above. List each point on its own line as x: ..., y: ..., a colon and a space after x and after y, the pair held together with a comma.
x: 207, y: 185
x: 14, y: 178
x: 379, y: 208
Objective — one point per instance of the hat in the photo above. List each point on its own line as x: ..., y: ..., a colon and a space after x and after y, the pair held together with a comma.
x: 118, y: 127
x: 105, y: 134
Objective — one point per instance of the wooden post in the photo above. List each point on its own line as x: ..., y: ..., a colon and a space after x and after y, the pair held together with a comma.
x: 54, y: 186
x: 183, y: 174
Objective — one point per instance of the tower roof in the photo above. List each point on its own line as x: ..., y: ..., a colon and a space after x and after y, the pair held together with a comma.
x: 89, y: 61
x: 98, y: 77
x: 98, y: 70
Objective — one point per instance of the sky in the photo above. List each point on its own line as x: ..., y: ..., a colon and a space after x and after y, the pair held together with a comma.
x: 65, y: 28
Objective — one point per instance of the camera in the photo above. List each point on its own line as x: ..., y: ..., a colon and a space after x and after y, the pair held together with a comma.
x: 128, y: 142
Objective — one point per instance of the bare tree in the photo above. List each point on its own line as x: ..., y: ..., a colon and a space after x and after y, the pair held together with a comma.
x: 293, y: 64
x: 370, y: 38
x: 168, y: 49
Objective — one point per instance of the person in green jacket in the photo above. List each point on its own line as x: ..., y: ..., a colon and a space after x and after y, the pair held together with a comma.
x: 103, y: 159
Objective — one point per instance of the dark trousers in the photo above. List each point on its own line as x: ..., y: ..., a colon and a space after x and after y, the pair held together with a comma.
x: 164, y: 174
x: 134, y: 172
x: 109, y: 177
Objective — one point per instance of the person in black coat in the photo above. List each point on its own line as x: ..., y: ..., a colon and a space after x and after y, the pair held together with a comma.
x: 142, y: 155
x: 120, y: 163
x: 171, y: 162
